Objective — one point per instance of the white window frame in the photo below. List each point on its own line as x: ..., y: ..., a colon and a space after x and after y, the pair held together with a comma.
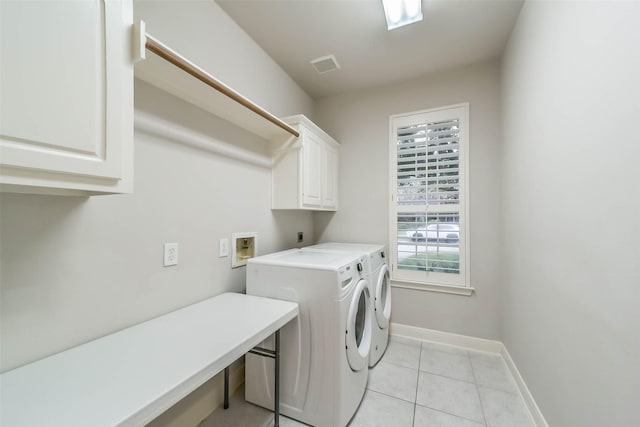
x: 438, y: 282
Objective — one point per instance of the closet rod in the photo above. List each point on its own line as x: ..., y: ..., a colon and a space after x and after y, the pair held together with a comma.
x: 183, y: 63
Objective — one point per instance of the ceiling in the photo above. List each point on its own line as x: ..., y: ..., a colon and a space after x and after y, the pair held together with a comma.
x: 293, y: 32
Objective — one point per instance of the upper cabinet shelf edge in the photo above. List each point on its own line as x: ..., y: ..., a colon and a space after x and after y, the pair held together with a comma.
x: 176, y: 76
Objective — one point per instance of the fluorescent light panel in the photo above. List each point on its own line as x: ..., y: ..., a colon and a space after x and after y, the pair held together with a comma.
x: 402, y: 12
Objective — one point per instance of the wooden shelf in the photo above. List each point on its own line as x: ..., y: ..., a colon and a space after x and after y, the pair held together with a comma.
x: 175, y: 74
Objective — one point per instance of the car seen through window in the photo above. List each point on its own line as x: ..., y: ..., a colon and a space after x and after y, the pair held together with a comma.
x: 438, y: 232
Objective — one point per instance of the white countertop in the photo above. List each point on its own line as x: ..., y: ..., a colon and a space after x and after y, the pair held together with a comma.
x: 132, y: 376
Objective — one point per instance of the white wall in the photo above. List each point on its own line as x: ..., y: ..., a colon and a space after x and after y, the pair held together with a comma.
x: 571, y: 91
x: 73, y: 269
x: 204, y: 33
x: 360, y: 122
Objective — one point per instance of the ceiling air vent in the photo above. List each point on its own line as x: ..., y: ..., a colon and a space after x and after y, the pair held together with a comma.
x: 325, y: 64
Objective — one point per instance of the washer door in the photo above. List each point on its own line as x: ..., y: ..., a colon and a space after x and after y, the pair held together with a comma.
x: 382, y: 302
x: 358, y: 328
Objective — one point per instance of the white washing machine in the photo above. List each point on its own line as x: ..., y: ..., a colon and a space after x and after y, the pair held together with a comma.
x: 325, y: 350
x: 379, y: 287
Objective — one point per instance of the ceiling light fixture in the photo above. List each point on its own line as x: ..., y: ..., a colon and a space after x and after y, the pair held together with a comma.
x: 402, y: 12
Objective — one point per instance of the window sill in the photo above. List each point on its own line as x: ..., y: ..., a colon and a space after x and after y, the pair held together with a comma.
x: 432, y: 287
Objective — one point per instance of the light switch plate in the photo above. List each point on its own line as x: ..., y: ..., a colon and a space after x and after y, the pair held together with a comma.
x: 223, y: 248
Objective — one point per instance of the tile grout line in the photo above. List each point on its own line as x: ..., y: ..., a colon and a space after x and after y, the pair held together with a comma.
x: 415, y: 400
x: 473, y: 371
x: 388, y: 395
x: 452, y: 414
x: 513, y: 393
x: 424, y: 406
x: 474, y: 381
x: 396, y: 365
x: 513, y: 389
x: 449, y: 378
x: 466, y: 354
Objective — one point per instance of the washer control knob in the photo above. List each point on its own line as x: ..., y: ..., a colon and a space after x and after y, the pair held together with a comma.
x: 360, y: 267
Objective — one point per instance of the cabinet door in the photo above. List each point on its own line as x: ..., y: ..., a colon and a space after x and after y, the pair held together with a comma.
x: 67, y: 93
x: 312, y: 169
x: 329, y: 177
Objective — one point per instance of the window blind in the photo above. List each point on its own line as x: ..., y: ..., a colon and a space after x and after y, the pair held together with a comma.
x: 428, y: 221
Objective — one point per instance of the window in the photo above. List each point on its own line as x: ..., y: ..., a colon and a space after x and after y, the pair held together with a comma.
x: 428, y: 218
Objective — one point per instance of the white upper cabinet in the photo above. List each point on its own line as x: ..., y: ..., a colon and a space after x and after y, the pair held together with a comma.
x: 305, y: 169
x: 330, y: 176
x: 66, y: 109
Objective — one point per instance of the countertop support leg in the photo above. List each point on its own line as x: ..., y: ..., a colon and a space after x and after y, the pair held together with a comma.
x: 276, y: 410
x: 226, y: 387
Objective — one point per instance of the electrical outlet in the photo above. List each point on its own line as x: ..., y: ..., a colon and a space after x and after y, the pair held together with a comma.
x: 223, y: 248
x: 170, y: 254
x: 300, y: 236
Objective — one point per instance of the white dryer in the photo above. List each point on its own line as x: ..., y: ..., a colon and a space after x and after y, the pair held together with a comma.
x: 379, y: 287
x: 325, y: 350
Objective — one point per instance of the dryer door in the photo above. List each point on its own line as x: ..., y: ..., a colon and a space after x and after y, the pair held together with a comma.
x: 382, y: 302
x: 358, y: 328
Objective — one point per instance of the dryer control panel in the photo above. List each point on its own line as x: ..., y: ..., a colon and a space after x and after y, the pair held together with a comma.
x: 351, y: 273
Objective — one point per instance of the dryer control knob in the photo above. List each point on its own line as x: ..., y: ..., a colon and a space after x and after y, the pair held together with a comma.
x: 360, y: 267
x: 382, y: 254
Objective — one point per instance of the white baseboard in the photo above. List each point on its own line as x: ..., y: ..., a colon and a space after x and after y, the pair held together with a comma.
x: 422, y: 334
x: 534, y: 410
x: 478, y: 344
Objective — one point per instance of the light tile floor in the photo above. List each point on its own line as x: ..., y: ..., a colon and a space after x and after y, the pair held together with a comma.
x: 427, y: 384
x: 419, y: 384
